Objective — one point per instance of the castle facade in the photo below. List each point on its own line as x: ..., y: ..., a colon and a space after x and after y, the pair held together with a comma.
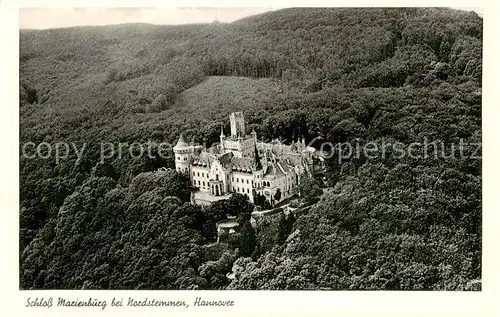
x: 242, y: 164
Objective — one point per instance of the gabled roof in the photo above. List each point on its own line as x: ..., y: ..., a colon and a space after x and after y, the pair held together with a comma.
x: 283, y: 167
x: 204, y: 159
x: 270, y: 171
x: 244, y: 164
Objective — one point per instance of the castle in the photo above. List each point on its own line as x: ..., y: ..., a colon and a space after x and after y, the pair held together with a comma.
x: 241, y: 164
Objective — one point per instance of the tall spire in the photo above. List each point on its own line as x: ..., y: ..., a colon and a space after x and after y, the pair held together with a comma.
x: 258, y: 164
x: 222, y: 130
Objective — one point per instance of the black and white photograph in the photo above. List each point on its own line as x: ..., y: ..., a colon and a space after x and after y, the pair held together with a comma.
x: 283, y: 149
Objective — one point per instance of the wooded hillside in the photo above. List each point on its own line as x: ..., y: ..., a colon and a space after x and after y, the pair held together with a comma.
x: 365, y: 75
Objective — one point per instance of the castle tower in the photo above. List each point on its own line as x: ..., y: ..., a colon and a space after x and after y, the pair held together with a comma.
x: 183, y: 153
x: 254, y: 135
x: 237, y: 120
x: 222, y: 137
x: 256, y: 159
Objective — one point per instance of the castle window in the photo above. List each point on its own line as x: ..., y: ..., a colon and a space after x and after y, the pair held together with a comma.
x: 185, y: 159
x: 248, y: 191
x: 237, y: 181
x: 194, y: 174
x: 202, y: 174
x: 247, y: 180
x: 199, y: 183
x: 198, y: 173
x: 203, y: 184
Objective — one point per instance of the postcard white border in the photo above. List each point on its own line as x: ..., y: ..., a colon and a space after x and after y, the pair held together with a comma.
x: 252, y: 302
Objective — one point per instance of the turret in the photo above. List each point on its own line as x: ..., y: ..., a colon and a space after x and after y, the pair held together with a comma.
x: 183, y: 153
x: 254, y: 135
x: 222, y: 137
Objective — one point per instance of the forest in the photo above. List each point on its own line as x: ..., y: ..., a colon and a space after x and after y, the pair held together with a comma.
x: 347, y: 75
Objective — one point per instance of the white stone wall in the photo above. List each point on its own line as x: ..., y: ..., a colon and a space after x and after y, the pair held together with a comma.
x: 285, y: 183
x: 257, y: 178
x: 200, y: 177
x: 247, y: 147
x: 240, y: 147
x: 183, y: 160
x: 242, y: 183
x: 217, y: 172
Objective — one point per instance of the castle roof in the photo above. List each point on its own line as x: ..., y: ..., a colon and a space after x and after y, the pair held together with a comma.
x: 181, y: 143
x: 244, y: 164
x: 226, y: 158
x: 204, y: 159
x: 270, y: 170
x: 284, y: 168
x: 207, y: 158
